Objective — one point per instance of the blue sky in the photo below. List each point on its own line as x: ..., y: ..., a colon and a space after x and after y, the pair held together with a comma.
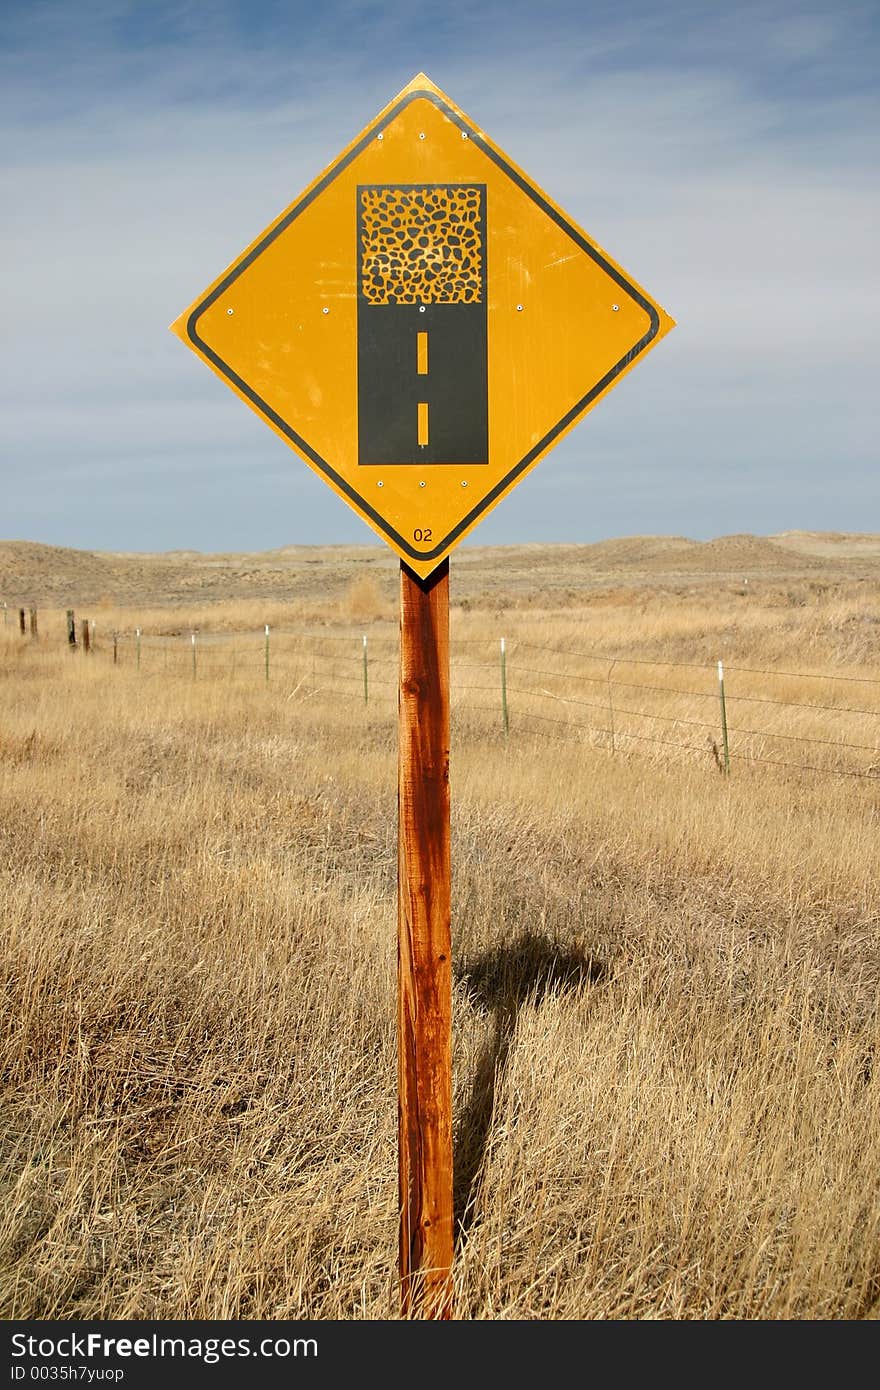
x: 726, y: 155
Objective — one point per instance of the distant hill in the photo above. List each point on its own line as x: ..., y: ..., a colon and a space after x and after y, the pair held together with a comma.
x: 55, y: 576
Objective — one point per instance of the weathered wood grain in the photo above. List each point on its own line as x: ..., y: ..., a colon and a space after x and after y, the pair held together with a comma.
x: 424, y: 948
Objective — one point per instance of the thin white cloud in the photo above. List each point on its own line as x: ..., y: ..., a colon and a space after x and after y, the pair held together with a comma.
x: 750, y: 212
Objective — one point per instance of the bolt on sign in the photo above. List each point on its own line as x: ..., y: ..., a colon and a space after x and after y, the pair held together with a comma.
x: 422, y: 325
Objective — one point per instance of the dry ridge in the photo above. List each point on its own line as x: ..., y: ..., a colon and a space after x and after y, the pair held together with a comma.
x: 31, y: 572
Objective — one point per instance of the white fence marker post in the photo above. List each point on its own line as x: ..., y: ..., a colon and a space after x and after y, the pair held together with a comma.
x: 504, y: 712
x: 723, y: 719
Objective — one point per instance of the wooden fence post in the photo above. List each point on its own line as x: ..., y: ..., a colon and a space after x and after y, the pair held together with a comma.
x: 71, y: 629
x: 22, y: 622
x: 424, y: 1034
x: 33, y: 622
x: 86, y: 636
x: 611, y: 705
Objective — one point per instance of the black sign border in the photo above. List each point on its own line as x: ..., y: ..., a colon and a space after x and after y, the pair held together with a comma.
x: 303, y: 447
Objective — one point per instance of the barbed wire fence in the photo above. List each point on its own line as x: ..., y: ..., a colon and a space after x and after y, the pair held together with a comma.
x: 513, y: 688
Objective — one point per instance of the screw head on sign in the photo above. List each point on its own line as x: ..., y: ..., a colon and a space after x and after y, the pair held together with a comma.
x: 519, y: 308
x: 230, y: 311
x: 380, y: 136
x: 464, y: 482
x: 421, y: 484
x: 615, y: 308
x: 325, y: 310
x: 380, y: 484
x: 421, y: 135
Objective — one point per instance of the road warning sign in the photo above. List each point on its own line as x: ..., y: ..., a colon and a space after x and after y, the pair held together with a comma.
x: 422, y: 324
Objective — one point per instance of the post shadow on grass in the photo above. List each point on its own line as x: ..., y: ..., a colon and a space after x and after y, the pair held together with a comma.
x: 500, y: 981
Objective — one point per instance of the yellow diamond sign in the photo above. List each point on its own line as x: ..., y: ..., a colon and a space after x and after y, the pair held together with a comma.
x: 422, y: 324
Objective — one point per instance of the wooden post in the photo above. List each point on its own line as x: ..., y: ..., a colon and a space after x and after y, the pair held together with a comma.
x: 611, y: 703
x: 86, y: 635
x: 22, y: 622
x: 71, y: 629
x: 33, y: 620
x: 424, y: 1031
x: 114, y: 648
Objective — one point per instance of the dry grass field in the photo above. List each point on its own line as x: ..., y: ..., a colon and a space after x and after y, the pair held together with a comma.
x: 666, y: 980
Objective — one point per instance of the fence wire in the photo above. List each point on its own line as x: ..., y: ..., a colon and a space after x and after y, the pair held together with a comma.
x: 310, y: 661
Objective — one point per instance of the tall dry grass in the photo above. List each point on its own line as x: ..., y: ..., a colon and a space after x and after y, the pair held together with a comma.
x: 665, y: 1010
